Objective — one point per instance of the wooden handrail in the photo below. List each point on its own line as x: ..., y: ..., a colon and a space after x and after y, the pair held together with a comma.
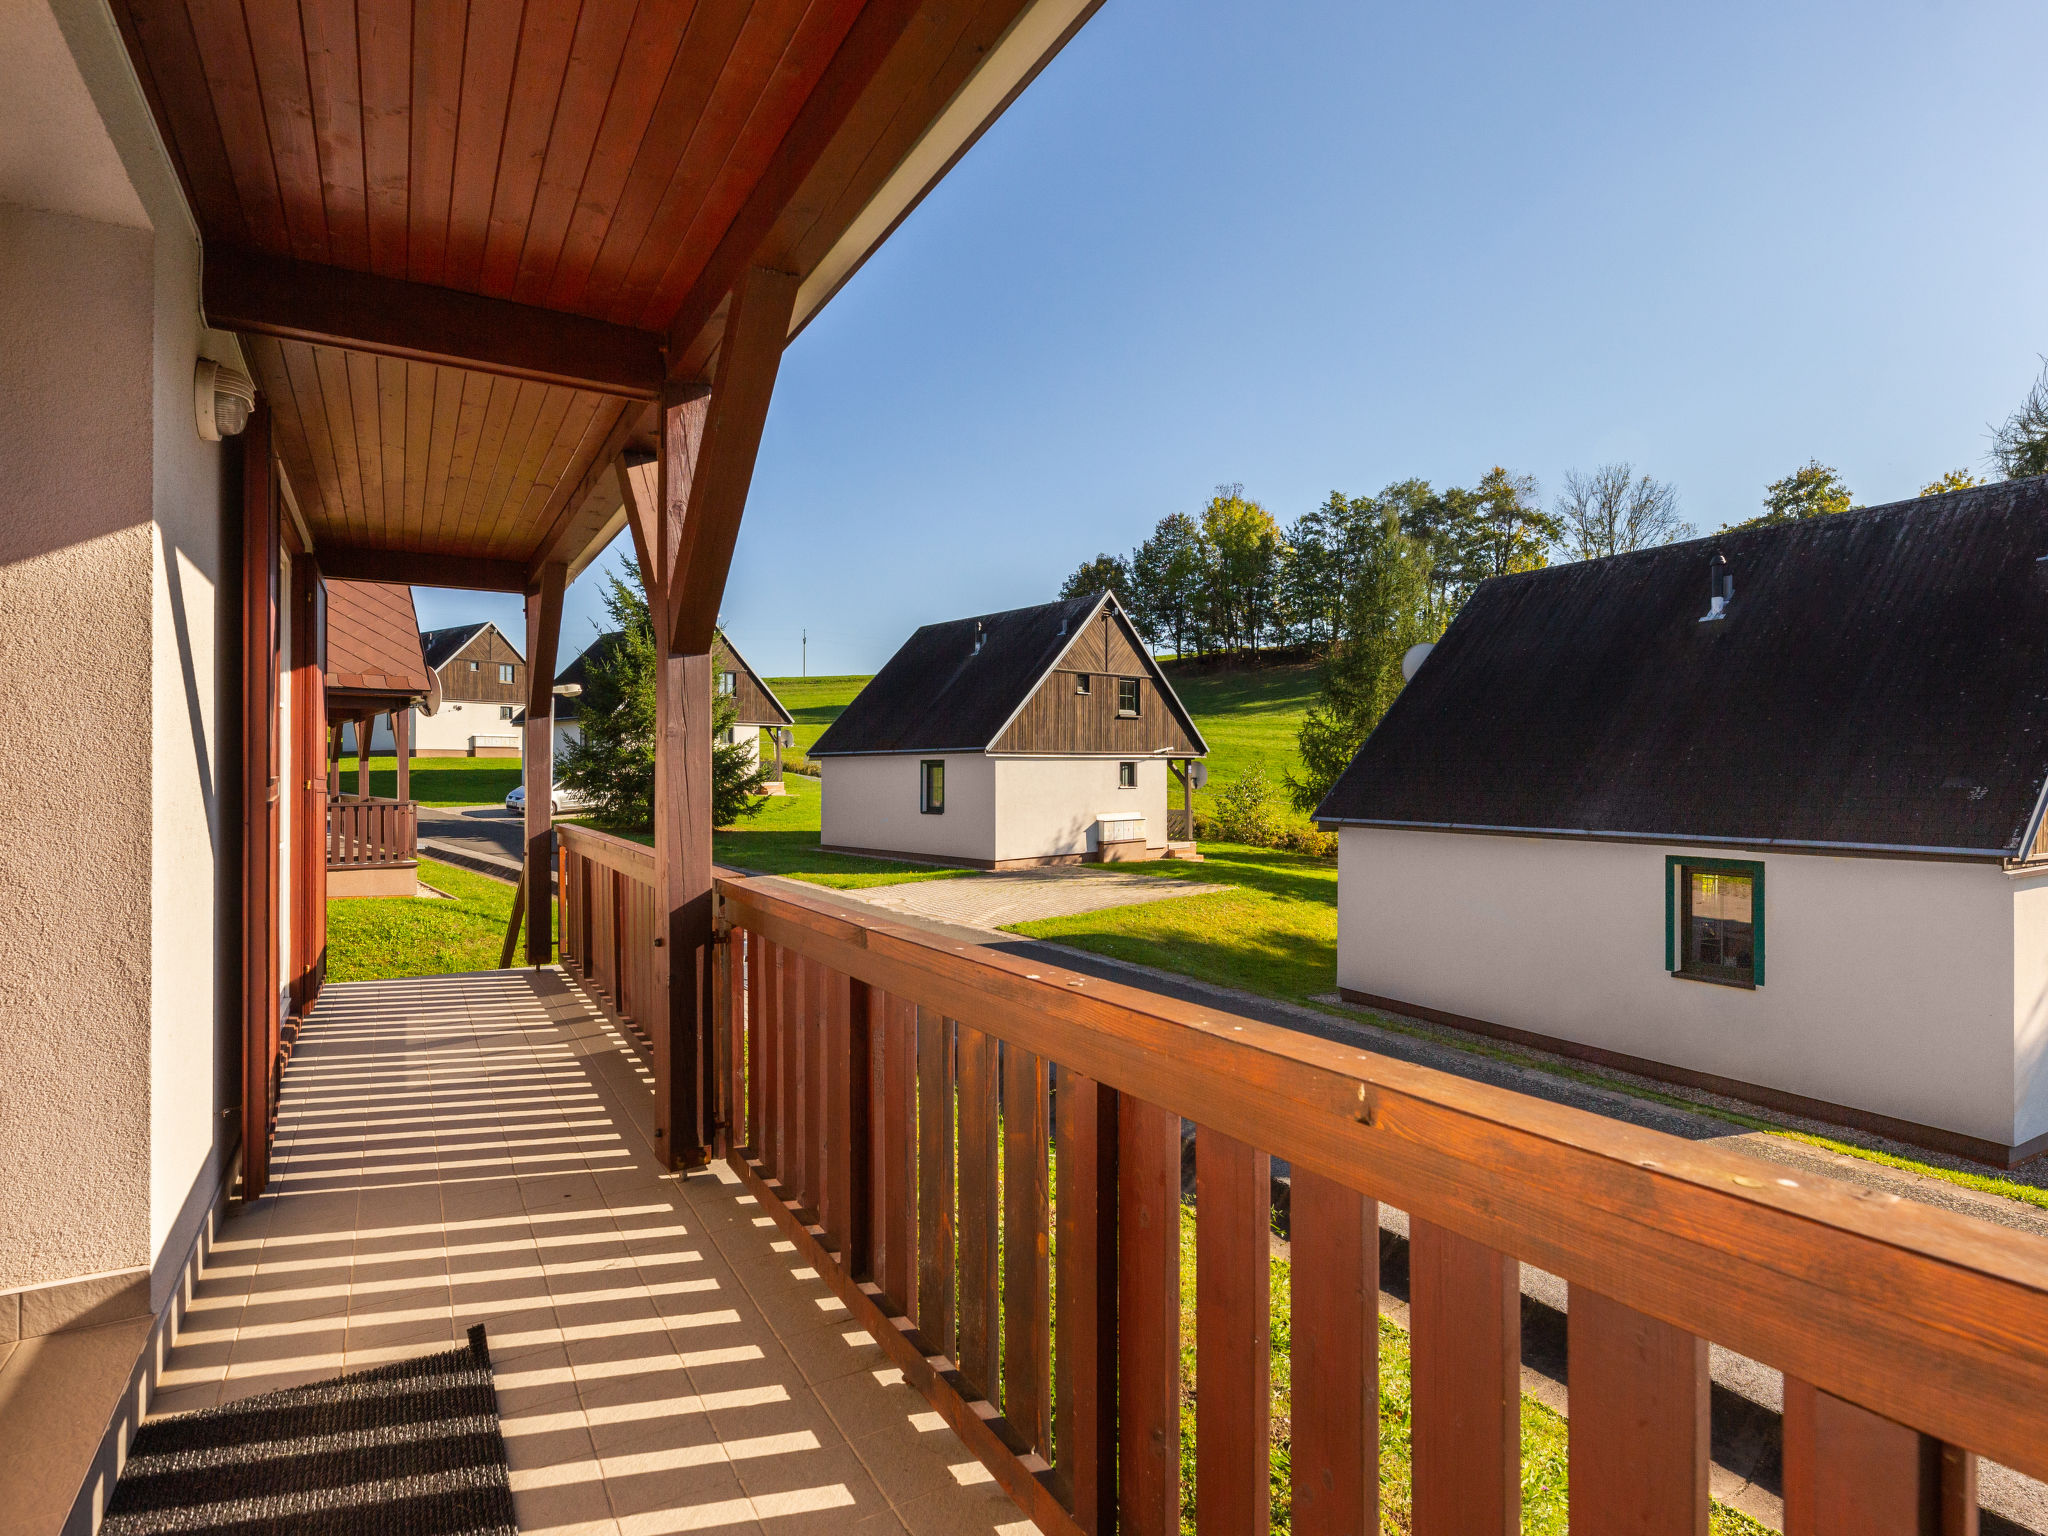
x: 373, y: 833
x: 1896, y: 1313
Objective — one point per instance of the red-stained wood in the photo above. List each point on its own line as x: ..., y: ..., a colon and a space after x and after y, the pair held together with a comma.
x: 1233, y: 1323
x: 818, y: 1072
x: 858, y: 1252
x: 161, y: 41
x: 335, y: 100
x: 1334, y: 1330
x: 981, y: 1209
x: 220, y: 31
x: 936, y: 1233
x: 1465, y: 1333
x: 750, y: 355
x: 1148, y: 1319
x: 1085, y: 1366
x: 344, y: 562
x: 259, y: 757
x: 1027, y: 1345
x: 899, y: 1153
x: 307, y: 884
x: 277, y: 49
x: 835, y: 1150
x: 439, y: 34
x: 1848, y: 1470
x: 682, y: 1012
x: 384, y: 31
x: 543, y: 634
x: 493, y: 45
x: 1639, y: 1429
x: 767, y: 1086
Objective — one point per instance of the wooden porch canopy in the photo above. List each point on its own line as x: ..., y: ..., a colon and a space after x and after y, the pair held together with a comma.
x: 512, y: 276
x: 374, y: 662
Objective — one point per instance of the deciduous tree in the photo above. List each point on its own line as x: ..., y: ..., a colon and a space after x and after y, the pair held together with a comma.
x: 2019, y: 445
x: 1105, y: 573
x: 1613, y: 510
x: 1954, y: 480
x: 1816, y: 490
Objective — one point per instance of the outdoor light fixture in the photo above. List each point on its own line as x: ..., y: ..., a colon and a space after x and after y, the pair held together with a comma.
x: 223, y: 397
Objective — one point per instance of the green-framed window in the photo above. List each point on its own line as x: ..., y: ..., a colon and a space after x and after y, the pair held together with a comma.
x: 1714, y: 920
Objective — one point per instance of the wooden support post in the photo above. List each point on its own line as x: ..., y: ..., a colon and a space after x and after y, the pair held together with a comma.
x: 1148, y: 1320
x: 334, y: 760
x: 401, y: 741
x: 259, y: 882
x: 365, y: 728
x: 543, y: 633
x: 1848, y: 1470
x: 683, y: 969
x: 308, y: 789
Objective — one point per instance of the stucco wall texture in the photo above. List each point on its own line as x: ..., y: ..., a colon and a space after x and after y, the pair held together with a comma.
x: 1910, y: 988
x: 76, y: 561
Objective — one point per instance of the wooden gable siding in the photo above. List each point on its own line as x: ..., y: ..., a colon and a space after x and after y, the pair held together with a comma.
x: 756, y: 708
x: 1059, y: 719
x: 489, y: 650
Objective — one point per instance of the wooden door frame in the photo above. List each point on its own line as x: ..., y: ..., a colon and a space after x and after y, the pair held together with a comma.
x: 261, y: 1024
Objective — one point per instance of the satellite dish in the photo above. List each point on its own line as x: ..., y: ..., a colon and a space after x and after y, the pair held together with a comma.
x: 1198, y: 774
x: 1412, y: 660
x: 431, y: 704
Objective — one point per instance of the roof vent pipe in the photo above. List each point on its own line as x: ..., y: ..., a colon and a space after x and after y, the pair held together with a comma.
x: 978, y: 637
x: 1720, y: 589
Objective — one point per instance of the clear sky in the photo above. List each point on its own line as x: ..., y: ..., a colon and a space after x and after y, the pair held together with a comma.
x: 1327, y: 244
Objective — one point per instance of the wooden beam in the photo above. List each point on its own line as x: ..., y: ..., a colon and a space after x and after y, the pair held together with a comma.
x: 683, y: 964
x: 543, y: 638
x: 331, y: 306
x: 867, y: 46
x: 342, y: 562
x: 721, y: 435
x: 640, y: 490
x: 260, y: 1021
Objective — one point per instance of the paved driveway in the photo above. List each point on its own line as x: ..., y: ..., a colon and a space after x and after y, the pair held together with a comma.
x: 1026, y: 895
x: 488, y: 833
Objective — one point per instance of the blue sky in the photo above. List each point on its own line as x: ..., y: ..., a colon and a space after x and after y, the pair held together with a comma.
x: 1330, y: 245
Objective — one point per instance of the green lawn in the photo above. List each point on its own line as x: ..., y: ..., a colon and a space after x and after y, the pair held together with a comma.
x: 815, y: 701
x: 441, y: 780
x: 1247, y: 717
x: 374, y: 938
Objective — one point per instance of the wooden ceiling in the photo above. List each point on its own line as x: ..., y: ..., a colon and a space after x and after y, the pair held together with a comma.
x: 471, y: 239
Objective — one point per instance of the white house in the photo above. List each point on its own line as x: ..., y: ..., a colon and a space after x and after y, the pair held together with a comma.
x: 1608, y: 786
x: 482, y: 699
x: 758, y: 709
x: 1042, y: 735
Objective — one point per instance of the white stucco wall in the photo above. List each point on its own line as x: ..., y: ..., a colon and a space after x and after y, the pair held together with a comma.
x: 1889, y: 985
x: 1048, y: 805
x: 114, y: 973
x: 871, y: 802
x: 447, y: 730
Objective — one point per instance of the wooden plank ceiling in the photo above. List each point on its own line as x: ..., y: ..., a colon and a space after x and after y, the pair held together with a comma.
x: 619, y: 160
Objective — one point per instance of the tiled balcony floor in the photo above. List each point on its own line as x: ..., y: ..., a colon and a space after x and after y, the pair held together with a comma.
x: 465, y: 1149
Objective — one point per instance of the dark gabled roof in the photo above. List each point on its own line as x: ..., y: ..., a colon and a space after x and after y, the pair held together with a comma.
x: 939, y: 693
x: 578, y: 672
x: 373, y: 639
x: 1880, y: 682
x: 442, y: 645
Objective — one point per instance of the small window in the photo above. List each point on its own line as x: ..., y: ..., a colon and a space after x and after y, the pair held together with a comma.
x: 504, y: 711
x: 1127, y: 695
x: 931, y: 787
x: 1716, y: 911
x: 476, y: 666
x: 726, y: 683
x: 504, y: 671
x: 1126, y: 775
x: 1081, y: 682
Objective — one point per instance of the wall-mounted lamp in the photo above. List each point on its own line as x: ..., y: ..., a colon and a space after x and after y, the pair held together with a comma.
x: 222, y: 398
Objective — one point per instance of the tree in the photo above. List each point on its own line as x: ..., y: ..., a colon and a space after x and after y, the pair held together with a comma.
x: 2019, y: 446
x: 612, y: 765
x: 1614, y: 510
x: 1388, y: 608
x: 1814, y: 491
x: 1244, y: 569
x: 1509, y: 531
x: 1167, y: 573
x: 1105, y: 573
x: 1954, y: 480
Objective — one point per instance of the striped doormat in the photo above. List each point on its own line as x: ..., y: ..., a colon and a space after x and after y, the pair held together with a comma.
x: 411, y: 1449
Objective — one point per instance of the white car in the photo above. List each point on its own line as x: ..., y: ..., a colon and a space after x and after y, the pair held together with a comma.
x: 563, y: 800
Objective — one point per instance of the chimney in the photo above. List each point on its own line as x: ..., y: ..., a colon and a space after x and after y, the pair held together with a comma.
x: 978, y: 637
x: 1720, y: 589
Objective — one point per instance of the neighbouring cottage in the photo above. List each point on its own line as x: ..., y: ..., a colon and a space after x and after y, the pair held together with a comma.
x: 1044, y: 735
x: 758, y: 708
x: 482, y: 699
x: 375, y: 671
x: 1760, y: 813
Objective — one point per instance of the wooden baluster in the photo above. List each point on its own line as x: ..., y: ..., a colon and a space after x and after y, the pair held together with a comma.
x: 1639, y: 1431
x: 755, y: 1080
x: 857, y: 1075
x: 1466, y: 1335
x: 1336, y: 1342
x: 1233, y: 1329
x: 819, y: 1070
x: 935, y: 1181
x: 1148, y: 1319
x: 1085, y: 1368
x: 836, y: 1150
x: 899, y: 1153
x: 1850, y: 1472
x: 790, y: 1168
x: 773, y: 1048
x: 980, y: 1209
x: 1027, y: 1344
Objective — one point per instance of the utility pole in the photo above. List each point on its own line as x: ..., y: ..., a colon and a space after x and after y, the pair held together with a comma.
x: 807, y: 654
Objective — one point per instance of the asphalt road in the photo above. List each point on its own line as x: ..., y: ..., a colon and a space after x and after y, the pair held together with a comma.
x: 486, y: 832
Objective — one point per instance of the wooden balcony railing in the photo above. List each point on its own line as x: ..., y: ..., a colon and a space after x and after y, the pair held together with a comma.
x: 982, y: 1155
x: 370, y: 834
x: 1180, y: 825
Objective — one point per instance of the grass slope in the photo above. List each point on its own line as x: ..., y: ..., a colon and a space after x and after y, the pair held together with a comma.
x: 441, y: 780
x: 1247, y: 716
x: 375, y: 938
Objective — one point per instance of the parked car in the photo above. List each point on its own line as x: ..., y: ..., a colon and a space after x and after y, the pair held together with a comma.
x: 563, y: 800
